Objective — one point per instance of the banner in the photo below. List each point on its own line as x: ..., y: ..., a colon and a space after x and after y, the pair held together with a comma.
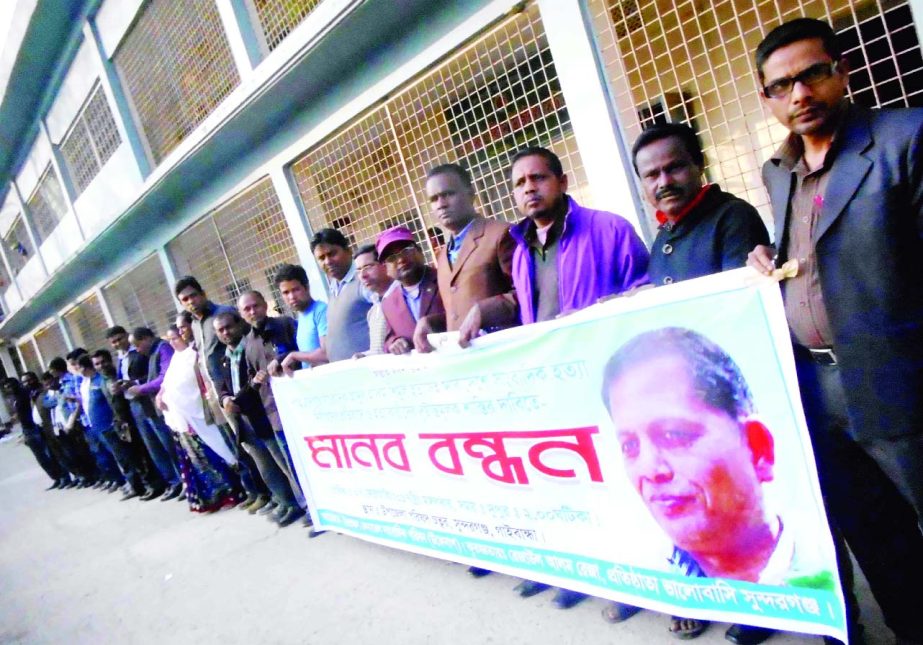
x: 651, y: 449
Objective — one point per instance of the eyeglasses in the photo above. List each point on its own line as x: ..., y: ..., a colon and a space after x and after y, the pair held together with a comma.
x: 811, y: 76
x: 366, y: 268
x: 401, y: 253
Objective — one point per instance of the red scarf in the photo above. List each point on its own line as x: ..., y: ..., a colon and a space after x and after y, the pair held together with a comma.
x: 663, y: 218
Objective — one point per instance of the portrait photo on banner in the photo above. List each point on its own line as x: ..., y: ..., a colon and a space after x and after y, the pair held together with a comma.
x: 710, y: 456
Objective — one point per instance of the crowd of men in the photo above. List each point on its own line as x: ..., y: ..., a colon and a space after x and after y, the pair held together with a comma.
x: 846, y: 190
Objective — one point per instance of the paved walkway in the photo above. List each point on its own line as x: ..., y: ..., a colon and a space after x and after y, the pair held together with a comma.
x: 78, y: 566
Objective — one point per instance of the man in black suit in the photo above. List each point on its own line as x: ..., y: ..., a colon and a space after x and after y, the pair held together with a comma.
x: 847, y: 194
x: 241, y: 402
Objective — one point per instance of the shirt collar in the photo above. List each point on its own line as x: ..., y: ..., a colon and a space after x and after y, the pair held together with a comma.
x: 663, y: 218
x: 337, y: 285
x: 459, y: 238
x: 792, y: 149
x: 236, y: 352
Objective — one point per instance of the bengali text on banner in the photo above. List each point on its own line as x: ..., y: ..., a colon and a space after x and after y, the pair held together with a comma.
x: 650, y: 449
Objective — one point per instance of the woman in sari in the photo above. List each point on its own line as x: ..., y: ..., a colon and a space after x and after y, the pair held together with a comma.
x: 205, y: 459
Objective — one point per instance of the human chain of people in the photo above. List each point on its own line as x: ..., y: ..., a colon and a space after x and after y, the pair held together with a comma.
x: 192, y: 416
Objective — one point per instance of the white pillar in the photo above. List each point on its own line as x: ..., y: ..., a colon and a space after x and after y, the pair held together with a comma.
x: 297, y: 223
x: 169, y: 272
x: 107, y: 313
x: 65, y: 332
x: 916, y: 10
x: 605, y: 156
x: 239, y: 33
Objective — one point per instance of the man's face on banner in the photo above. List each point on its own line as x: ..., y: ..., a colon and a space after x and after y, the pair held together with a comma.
x: 693, y: 465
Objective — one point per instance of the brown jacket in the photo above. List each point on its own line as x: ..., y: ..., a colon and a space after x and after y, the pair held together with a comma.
x: 397, y: 315
x: 481, y: 271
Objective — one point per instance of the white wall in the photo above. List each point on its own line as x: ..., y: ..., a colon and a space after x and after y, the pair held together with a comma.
x: 38, y: 160
x: 113, y: 20
x: 32, y: 277
x: 8, y: 212
x: 63, y: 242
x: 12, y: 299
x: 110, y: 193
x: 80, y: 77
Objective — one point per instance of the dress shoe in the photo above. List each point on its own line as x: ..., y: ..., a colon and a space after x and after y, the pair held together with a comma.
x: 130, y: 493
x: 260, y: 503
x: 248, y: 501
x: 182, y: 494
x: 55, y: 484
x: 113, y: 487
x: 307, y: 521
x: 313, y: 533
x: 478, y: 572
x: 99, y: 483
x: 529, y: 588
x: 747, y: 634
x: 565, y: 598
x: 292, y: 514
x: 69, y: 483
x: 172, y: 492
x: 619, y: 612
x: 150, y: 494
x: 268, y: 509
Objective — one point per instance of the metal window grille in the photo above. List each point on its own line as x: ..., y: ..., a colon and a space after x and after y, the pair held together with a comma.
x: 87, y: 325
x: 30, y: 357
x: 19, y: 247
x: 141, y: 297
x: 488, y: 99
x: 92, y: 140
x: 278, y: 18
x: 238, y: 246
x: 47, y: 205
x: 177, y: 67
x: 692, y: 61
x: 51, y: 343
x: 101, y: 123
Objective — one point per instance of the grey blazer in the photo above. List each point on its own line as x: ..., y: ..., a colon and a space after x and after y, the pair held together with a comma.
x: 869, y: 247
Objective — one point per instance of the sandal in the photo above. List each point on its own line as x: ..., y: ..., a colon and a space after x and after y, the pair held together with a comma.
x: 687, y: 628
x: 618, y: 612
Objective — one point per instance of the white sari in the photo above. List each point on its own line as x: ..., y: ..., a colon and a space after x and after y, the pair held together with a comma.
x: 180, y: 392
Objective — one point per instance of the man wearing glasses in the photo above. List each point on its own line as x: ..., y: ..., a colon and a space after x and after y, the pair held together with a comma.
x: 846, y: 189
x: 418, y: 295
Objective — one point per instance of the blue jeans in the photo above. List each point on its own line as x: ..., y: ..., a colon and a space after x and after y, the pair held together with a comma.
x: 105, y: 461
x: 159, y: 442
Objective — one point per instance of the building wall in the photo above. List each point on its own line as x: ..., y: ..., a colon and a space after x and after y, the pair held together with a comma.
x: 468, y: 81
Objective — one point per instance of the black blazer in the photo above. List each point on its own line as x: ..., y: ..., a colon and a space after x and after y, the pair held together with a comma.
x: 248, y: 398
x: 869, y: 248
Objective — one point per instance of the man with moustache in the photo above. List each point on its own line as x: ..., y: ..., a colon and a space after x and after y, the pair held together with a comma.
x: 269, y: 339
x: 350, y: 301
x: 241, y: 402
x: 846, y: 189
x: 417, y: 295
x: 567, y: 256
x: 474, y: 266
x: 374, y: 276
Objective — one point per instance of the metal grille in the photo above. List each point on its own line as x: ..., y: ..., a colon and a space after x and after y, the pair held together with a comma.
x: 81, y: 162
x: 87, y: 325
x: 692, y: 61
x: 47, y: 205
x: 177, y: 67
x: 19, y: 247
x: 279, y: 17
x: 103, y: 130
x: 490, y: 98
x: 93, y: 138
x: 30, y: 357
x: 238, y: 246
x: 142, y: 298
x: 51, y: 343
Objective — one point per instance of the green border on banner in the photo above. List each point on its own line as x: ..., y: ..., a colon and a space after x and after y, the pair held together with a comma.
x: 802, y: 604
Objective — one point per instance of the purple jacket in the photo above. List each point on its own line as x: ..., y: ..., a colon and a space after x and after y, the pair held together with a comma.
x: 599, y: 254
x: 165, y: 355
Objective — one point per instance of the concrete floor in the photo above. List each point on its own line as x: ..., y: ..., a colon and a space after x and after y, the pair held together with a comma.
x: 78, y: 566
